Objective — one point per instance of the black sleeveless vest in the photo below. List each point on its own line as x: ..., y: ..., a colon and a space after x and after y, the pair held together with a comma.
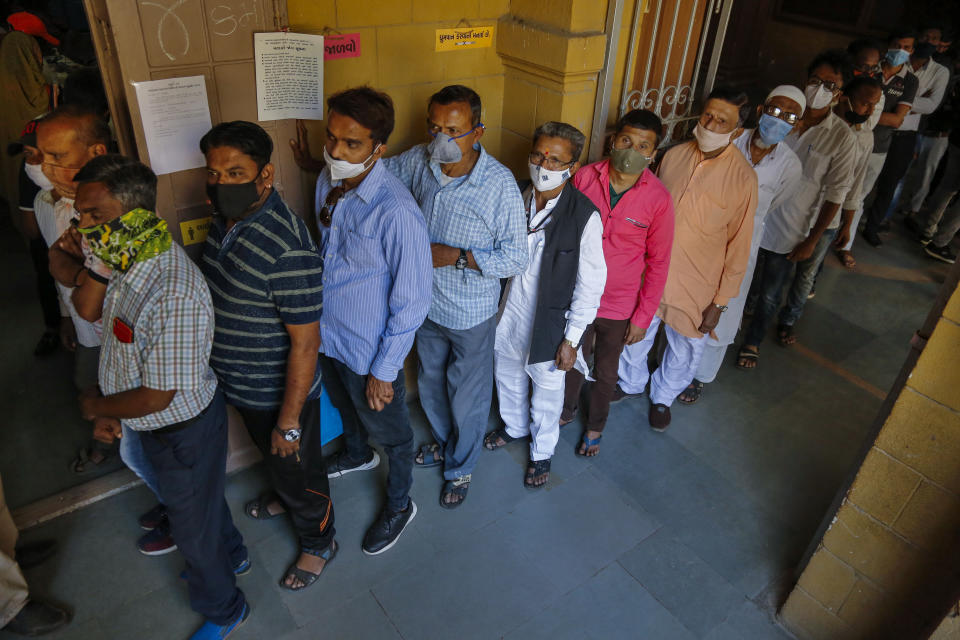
x: 558, y: 271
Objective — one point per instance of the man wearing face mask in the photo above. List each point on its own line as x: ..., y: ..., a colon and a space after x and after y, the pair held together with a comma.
x: 714, y: 192
x: 859, y: 100
x: 798, y: 233
x: 637, y: 215
x: 778, y: 177
x: 892, y: 145
x: 376, y: 291
x: 932, y: 80
x: 156, y: 378
x: 476, y: 221
x: 548, y: 307
x: 265, y: 279
x: 32, y: 181
x: 68, y: 138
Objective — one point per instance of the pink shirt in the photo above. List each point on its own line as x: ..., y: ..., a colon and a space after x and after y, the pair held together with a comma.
x: 637, y: 237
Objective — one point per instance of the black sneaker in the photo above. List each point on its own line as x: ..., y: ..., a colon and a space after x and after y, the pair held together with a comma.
x: 386, y: 530
x: 943, y: 254
x: 37, y: 618
x: 872, y: 238
x: 339, y: 464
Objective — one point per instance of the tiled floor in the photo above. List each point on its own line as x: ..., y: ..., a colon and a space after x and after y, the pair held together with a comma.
x: 667, y: 536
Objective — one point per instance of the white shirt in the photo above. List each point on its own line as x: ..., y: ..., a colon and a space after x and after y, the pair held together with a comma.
x: 828, y: 154
x: 54, y: 218
x: 932, y: 77
x: 515, y: 327
x: 864, y: 138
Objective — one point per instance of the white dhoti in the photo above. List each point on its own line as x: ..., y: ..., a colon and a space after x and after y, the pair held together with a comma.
x: 675, y: 373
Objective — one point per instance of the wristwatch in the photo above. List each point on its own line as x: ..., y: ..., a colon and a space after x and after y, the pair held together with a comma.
x: 462, y: 260
x: 572, y: 344
x: 290, y: 435
x: 722, y: 307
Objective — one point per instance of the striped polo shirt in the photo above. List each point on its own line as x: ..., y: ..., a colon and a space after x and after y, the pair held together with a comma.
x: 263, y: 273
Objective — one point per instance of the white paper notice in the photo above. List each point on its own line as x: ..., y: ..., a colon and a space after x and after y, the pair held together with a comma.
x: 289, y: 75
x: 175, y: 116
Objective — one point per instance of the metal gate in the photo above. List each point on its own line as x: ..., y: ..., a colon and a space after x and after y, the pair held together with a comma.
x: 669, y: 29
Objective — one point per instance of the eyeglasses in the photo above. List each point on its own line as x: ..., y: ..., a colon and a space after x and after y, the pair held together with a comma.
x: 827, y: 84
x: 549, y: 163
x: 866, y: 70
x: 787, y: 116
x: 333, y: 199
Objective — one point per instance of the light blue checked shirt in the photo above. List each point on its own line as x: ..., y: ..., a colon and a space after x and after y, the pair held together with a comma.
x: 482, y: 213
x: 377, y: 273
x: 166, y: 302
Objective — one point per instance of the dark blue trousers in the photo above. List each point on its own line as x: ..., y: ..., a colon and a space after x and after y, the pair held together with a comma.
x: 190, y: 460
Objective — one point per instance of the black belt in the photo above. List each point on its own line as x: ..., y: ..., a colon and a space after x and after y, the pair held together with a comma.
x: 180, y: 426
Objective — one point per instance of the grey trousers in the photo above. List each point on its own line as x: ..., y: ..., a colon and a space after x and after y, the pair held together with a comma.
x: 13, y: 586
x: 455, y: 378
x: 938, y: 219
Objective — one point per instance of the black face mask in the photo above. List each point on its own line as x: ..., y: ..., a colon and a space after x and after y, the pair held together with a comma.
x: 924, y: 51
x: 232, y: 200
x: 853, y: 117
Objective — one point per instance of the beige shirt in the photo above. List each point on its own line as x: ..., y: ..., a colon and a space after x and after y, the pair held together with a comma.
x: 714, y: 202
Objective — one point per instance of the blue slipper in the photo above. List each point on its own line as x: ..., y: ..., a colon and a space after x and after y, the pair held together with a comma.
x: 241, y: 569
x: 587, y: 443
x: 210, y: 631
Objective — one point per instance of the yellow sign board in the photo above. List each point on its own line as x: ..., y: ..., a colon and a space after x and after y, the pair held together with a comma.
x: 194, y: 231
x: 464, y: 38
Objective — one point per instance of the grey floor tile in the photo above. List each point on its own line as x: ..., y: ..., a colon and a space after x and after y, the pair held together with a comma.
x: 681, y: 581
x: 580, y: 527
x: 360, y: 618
x: 747, y: 622
x: 480, y: 590
x: 84, y: 630
x: 609, y: 605
x: 162, y: 613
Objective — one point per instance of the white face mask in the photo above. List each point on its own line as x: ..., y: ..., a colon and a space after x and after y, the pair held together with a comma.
x: 545, y: 179
x: 343, y: 170
x: 710, y: 140
x: 818, y: 96
x: 35, y: 173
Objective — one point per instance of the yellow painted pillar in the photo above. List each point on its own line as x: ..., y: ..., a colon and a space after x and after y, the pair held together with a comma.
x: 886, y: 565
x: 552, y: 53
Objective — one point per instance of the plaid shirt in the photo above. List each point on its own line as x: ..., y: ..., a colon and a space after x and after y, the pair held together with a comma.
x: 165, y: 301
x: 481, y: 212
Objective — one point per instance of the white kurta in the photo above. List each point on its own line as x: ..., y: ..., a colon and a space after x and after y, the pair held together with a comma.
x: 539, y: 416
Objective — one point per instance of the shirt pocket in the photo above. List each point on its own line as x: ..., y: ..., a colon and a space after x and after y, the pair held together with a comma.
x: 815, y: 166
x: 630, y: 232
x: 360, y: 250
x: 125, y: 362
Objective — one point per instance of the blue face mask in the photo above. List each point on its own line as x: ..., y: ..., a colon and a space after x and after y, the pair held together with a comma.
x: 896, y: 57
x: 773, y: 130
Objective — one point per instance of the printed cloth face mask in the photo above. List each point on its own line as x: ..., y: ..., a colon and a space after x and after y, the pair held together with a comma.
x: 546, y: 179
x: 136, y: 236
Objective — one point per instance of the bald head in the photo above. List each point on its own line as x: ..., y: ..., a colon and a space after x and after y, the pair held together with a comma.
x: 68, y: 139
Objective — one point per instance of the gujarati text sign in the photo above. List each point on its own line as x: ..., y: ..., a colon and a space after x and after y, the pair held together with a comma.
x: 341, y: 46
x: 464, y: 38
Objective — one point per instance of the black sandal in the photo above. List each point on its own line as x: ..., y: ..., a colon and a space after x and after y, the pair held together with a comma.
x: 259, y: 509
x: 459, y: 488
x: 432, y: 451
x: 490, y: 442
x: 692, y: 392
x: 784, y: 335
x: 745, y: 355
x: 534, y: 469
x: 308, y: 577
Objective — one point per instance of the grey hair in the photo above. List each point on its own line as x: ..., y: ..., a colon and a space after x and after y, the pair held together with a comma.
x: 562, y: 130
x: 131, y: 182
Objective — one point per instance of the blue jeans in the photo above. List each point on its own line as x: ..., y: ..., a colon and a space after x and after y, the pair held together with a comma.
x: 803, y: 280
x: 390, y: 428
x: 132, y: 454
x: 773, y: 271
x: 190, y: 460
x: 456, y: 386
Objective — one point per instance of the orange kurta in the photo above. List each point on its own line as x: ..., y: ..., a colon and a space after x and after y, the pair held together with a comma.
x: 714, y: 202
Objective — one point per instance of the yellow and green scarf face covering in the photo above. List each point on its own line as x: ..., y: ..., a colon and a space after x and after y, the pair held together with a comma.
x: 136, y: 236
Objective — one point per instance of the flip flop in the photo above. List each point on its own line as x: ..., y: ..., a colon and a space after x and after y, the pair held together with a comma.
x: 587, y: 442
x: 490, y: 442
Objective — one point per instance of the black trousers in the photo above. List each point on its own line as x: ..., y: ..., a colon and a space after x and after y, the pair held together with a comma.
x: 302, y: 486
x: 895, y: 167
x: 46, y: 289
x: 389, y: 428
x: 190, y: 461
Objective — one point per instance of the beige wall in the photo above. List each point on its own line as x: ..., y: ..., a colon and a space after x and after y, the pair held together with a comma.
x: 887, y: 560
